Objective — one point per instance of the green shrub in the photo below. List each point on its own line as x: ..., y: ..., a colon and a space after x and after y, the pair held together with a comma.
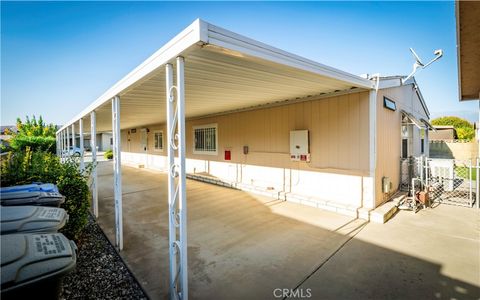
x: 35, y: 143
x: 464, y: 128
x: 22, y: 167
x: 73, y: 185
x: 108, y: 154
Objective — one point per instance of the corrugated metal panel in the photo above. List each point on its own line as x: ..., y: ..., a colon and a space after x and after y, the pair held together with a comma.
x: 216, y: 82
x: 223, y: 71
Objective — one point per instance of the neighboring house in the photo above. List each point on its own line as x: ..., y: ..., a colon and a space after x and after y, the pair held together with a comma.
x: 442, y: 133
x: 4, y: 139
x: 104, y: 141
x: 268, y: 121
x: 5, y: 134
x: 8, y: 129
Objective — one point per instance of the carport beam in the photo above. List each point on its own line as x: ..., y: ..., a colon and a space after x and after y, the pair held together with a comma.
x: 117, y: 172
x: 80, y: 128
x: 93, y: 145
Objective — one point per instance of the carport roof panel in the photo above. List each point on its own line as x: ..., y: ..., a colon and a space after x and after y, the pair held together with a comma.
x: 225, y: 66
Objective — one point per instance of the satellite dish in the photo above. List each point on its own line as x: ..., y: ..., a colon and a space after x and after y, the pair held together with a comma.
x: 419, y: 64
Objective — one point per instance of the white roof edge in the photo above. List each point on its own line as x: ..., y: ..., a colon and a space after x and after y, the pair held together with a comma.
x: 227, y: 39
x: 182, y: 41
x: 202, y: 32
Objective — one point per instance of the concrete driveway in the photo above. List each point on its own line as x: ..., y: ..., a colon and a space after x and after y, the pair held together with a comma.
x: 243, y: 246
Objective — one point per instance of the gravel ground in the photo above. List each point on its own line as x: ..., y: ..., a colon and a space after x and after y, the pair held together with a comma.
x: 100, y: 272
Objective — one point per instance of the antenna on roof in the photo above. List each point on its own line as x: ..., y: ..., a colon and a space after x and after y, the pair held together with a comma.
x: 419, y: 64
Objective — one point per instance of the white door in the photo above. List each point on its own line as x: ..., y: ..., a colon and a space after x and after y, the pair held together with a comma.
x: 144, y: 145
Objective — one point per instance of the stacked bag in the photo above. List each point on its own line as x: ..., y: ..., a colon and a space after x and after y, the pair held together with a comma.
x: 34, y: 256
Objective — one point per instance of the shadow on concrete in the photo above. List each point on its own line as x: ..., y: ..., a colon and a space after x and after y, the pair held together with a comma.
x: 240, y: 248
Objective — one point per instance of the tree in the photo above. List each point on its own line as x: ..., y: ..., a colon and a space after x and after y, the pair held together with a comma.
x: 34, y: 134
x: 465, y: 130
x: 35, y: 128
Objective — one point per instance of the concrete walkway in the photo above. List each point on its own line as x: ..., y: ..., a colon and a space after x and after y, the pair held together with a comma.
x: 243, y: 246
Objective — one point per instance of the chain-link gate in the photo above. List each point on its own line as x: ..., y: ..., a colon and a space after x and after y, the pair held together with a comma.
x: 449, y: 181
x: 452, y: 181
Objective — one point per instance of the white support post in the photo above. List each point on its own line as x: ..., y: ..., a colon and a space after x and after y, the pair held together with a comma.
x: 172, y: 236
x: 117, y: 172
x: 177, y: 197
x: 93, y: 145
x: 62, y: 144
x: 182, y: 177
x: 73, y: 136
x: 370, y: 184
x: 68, y: 142
x: 80, y: 129
x: 59, y: 154
x: 57, y: 151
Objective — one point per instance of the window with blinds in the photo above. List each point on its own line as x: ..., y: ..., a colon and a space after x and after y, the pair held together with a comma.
x: 205, y: 139
x: 158, y: 140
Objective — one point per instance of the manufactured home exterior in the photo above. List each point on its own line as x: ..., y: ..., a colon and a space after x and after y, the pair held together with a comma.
x: 217, y: 106
x: 239, y: 139
x: 252, y: 147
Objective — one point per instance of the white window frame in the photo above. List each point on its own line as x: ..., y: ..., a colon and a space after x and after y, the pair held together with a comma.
x: 155, y: 140
x: 214, y: 125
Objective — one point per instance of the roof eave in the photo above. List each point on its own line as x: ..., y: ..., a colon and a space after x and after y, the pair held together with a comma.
x: 208, y: 35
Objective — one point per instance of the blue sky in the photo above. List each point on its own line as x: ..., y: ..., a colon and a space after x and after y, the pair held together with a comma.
x: 57, y: 57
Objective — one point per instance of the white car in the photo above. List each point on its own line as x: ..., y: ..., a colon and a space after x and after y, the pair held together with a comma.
x: 73, y: 151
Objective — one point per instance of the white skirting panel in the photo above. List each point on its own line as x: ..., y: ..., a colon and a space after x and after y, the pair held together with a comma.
x: 346, y: 190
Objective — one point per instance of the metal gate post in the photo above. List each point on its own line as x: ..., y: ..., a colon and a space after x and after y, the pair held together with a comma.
x: 177, y: 198
x: 421, y: 170
x: 477, y: 194
x: 93, y: 145
x: 470, y: 194
x: 80, y: 128
x: 117, y: 172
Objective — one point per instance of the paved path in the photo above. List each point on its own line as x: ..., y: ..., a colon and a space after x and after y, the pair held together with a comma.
x: 243, y: 246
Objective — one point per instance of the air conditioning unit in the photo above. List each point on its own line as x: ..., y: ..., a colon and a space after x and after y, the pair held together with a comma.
x: 443, y: 170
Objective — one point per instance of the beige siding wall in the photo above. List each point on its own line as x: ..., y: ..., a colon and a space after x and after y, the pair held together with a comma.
x: 389, y: 134
x: 338, y: 128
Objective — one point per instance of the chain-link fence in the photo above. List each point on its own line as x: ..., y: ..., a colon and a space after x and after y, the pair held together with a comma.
x: 412, y: 167
x: 449, y: 181
x: 452, y: 181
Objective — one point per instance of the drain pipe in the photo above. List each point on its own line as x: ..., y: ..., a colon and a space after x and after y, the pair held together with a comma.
x: 373, y: 139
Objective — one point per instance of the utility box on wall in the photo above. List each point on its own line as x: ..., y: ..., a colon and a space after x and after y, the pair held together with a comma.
x: 299, y: 145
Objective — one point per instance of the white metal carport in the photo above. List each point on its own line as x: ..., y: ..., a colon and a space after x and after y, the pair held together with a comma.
x: 215, y: 71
